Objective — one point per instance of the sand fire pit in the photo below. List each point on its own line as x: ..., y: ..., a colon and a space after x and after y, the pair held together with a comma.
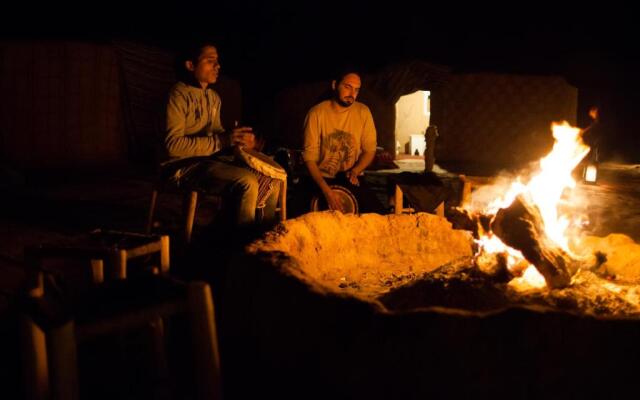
x: 343, y: 306
x: 364, y: 256
x: 407, y: 262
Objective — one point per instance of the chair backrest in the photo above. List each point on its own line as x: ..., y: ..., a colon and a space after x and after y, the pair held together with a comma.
x: 55, y: 328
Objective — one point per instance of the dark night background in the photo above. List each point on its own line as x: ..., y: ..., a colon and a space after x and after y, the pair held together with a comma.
x: 269, y: 46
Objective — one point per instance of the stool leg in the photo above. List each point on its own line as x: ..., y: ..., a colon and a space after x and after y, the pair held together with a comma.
x: 160, y: 361
x: 152, y: 209
x: 440, y: 210
x: 97, y: 270
x: 164, y: 254
x: 35, y: 370
x: 119, y: 259
x: 190, y: 215
x: 398, y: 200
x: 205, y: 341
x: 64, y: 362
x: 283, y: 201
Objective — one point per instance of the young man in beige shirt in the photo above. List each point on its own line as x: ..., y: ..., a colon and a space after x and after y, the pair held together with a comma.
x: 194, y: 137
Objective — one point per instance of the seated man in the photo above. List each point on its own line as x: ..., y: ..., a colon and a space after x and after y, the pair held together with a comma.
x: 194, y: 137
x: 340, y: 142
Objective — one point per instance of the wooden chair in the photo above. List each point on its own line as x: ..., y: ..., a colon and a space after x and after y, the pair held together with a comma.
x: 50, y: 340
x: 115, y: 248
x: 190, y: 204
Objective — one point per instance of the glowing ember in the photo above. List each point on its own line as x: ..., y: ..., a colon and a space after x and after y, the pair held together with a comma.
x: 530, y: 279
x: 545, y: 190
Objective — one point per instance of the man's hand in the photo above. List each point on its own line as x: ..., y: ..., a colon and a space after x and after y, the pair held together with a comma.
x: 352, y: 176
x: 243, y: 136
x: 333, y: 201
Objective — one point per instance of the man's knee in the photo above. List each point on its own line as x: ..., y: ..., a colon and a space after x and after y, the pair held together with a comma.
x: 246, y: 183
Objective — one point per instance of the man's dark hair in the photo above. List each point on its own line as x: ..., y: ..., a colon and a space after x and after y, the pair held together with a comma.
x: 190, y: 52
x: 340, y: 74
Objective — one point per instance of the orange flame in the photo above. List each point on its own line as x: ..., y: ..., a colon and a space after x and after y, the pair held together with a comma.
x: 545, y: 190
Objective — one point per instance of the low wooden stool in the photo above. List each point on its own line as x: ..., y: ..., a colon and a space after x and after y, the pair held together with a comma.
x: 114, y: 247
x: 50, y: 338
x: 399, y: 208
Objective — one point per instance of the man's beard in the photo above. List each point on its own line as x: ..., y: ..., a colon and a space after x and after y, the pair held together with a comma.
x: 343, y: 103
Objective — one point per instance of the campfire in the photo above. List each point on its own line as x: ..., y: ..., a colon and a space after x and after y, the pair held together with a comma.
x: 524, y: 227
x: 525, y: 248
x: 523, y: 235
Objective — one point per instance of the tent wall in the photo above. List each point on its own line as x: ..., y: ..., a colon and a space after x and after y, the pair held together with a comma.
x: 61, y: 104
x: 291, y: 108
x: 503, y: 120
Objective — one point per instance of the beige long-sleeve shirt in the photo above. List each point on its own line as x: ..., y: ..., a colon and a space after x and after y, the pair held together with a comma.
x: 335, y: 140
x: 193, y: 126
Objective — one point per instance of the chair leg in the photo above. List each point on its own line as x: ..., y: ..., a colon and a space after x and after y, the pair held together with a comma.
x: 190, y: 215
x: 152, y: 209
x: 160, y: 361
x: 164, y: 254
x: 63, y: 359
x: 398, y: 200
x: 97, y: 270
x: 35, y: 370
x: 205, y: 341
x: 283, y: 201
x: 119, y: 261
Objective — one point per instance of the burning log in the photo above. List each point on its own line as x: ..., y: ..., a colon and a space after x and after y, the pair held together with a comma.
x: 463, y: 219
x: 468, y: 220
x: 520, y: 226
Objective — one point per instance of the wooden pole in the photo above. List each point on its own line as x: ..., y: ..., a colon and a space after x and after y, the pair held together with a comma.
x: 283, y: 201
x: 190, y: 215
x: 35, y: 370
x: 97, y: 270
x: 119, y: 259
x: 152, y: 209
x: 63, y: 359
x: 164, y: 254
x: 398, y: 200
x: 205, y: 341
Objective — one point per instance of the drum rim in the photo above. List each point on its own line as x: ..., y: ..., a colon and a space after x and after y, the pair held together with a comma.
x: 249, y: 156
x: 339, y: 188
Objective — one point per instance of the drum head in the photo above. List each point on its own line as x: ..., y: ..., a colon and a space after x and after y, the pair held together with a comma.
x: 261, y: 163
x: 348, y: 200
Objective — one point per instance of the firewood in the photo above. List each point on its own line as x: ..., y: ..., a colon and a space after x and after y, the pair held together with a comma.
x: 463, y: 219
x: 520, y: 226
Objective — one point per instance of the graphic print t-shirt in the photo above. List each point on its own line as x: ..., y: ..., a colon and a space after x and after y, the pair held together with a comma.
x: 335, y: 140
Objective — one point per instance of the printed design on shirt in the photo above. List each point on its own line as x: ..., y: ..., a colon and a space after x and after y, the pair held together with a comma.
x: 197, y: 111
x: 339, y: 152
x: 201, y: 107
